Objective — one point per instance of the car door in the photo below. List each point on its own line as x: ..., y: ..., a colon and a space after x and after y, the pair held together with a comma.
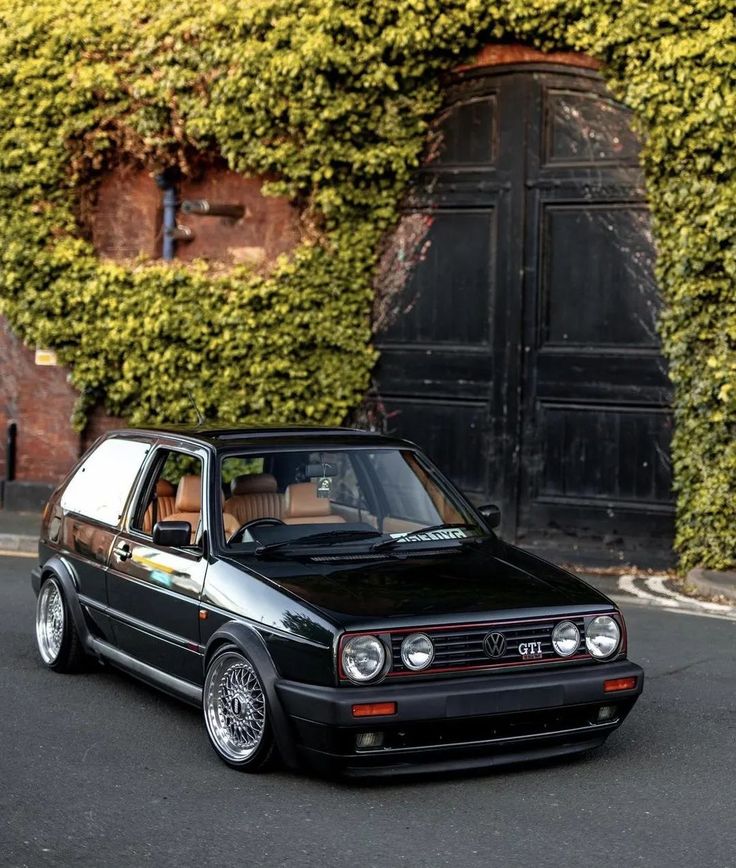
x: 90, y: 509
x: 154, y: 591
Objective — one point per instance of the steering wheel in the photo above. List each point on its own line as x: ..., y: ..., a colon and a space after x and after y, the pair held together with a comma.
x: 266, y: 522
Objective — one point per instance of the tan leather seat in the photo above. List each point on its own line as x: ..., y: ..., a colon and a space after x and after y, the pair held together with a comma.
x: 189, y: 502
x: 302, y: 506
x: 254, y: 495
x: 254, y: 483
x: 165, y: 496
x: 189, y: 506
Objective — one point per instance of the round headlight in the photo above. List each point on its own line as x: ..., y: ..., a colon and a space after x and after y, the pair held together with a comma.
x: 363, y: 658
x: 417, y: 651
x: 565, y: 638
x: 602, y: 636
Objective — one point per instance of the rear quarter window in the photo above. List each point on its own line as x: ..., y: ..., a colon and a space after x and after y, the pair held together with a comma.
x: 101, y: 484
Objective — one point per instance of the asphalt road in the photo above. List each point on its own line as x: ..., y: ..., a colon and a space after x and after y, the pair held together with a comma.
x: 97, y: 769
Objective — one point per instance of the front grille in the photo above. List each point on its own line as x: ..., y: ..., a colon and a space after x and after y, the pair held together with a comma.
x: 463, y: 647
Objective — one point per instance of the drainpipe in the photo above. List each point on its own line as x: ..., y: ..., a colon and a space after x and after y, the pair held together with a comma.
x: 169, y: 223
x: 166, y: 181
x: 10, y: 452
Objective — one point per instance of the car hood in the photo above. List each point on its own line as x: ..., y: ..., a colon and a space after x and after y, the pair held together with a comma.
x: 474, y: 582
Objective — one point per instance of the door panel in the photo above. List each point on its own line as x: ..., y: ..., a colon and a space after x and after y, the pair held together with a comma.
x: 525, y: 356
x: 154, y: 599
x: 596, y: 423
x: 584, y: 126
x: 603, y: 452
x: 444, y: 373
x: 87, y: 545
x: 448, y: 294
x: 591, y: 294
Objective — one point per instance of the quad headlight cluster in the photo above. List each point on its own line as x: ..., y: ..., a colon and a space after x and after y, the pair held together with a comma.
x: 364, y: 657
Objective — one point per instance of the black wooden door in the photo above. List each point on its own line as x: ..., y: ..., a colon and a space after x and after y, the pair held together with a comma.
x: 523, y: 355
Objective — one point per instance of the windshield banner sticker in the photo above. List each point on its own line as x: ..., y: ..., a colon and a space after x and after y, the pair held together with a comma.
x: 431, y: 536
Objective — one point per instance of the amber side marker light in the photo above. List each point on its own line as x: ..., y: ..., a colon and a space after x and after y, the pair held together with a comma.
x: 371, y: 709
x: 614, y: 684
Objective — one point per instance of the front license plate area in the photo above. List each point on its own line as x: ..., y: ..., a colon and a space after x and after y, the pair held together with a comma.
x: 501, y: 702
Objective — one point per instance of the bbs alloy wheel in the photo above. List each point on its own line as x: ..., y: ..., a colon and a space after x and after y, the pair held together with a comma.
x: 56, y: 635
x: 236, y: 711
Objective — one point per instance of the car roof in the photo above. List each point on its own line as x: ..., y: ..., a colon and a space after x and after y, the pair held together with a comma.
x: 221, y: 438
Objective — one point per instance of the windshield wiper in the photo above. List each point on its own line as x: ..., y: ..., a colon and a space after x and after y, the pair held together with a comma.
x: 329, y: 537
x: 392, y: 543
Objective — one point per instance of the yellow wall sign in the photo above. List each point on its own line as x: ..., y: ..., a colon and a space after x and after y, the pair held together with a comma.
x: 46, y: 357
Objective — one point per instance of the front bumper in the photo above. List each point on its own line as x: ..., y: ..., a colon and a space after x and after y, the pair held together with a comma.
x: 459, y: 723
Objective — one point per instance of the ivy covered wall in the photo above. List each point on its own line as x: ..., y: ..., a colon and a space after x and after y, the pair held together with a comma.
x: 331, y: 99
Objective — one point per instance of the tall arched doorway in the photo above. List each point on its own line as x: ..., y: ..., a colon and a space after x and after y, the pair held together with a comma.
x: 525, y: 358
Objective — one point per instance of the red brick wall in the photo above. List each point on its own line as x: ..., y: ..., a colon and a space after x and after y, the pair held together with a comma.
x: 126, y: 218
x: 40, y: 401
x: 495, y: 55
x: 98, y: 423
x: 270, y: 225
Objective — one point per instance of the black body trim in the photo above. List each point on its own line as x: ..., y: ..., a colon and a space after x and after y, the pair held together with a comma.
x: 170, y: 684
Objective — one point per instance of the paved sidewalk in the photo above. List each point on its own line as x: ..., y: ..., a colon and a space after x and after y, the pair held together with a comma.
x: 715, y: 583
x: 19, y: 531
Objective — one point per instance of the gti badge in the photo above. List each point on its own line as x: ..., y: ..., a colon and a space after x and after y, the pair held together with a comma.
x: 530, y: 650
x: 494, y: 644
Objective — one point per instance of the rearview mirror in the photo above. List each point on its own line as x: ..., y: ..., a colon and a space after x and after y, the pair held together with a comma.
x: 312, y: 471
x: 491, y: 513
x: 172, y: 534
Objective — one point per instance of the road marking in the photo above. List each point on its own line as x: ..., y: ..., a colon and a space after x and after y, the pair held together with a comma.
x: 656, y: 583
x: 653, y: 591
x: 628, y: 586
x: 11, y: 554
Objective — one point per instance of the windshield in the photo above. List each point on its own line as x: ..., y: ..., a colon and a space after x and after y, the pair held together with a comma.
x: 337, y: 497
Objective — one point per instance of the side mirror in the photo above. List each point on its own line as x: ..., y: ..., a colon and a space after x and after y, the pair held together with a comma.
x: 172, y: 534
x: 491, y: 513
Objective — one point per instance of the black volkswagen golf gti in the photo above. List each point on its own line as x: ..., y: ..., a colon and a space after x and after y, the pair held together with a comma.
x: 328, y: 596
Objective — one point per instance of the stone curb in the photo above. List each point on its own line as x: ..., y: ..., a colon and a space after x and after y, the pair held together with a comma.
x: 714, y: 582
x: 15, y: 542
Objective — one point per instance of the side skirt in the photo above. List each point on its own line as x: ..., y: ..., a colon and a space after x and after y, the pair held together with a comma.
x: 170, y: 684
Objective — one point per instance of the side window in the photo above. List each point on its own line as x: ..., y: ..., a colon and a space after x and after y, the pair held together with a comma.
x: 174, y: 493
x: 100, y: 487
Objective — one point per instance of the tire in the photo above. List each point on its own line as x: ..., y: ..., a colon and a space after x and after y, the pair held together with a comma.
x: 236, y: 712
x: 56, y: 636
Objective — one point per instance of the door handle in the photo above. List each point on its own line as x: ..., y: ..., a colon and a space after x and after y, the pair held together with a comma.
x: 122, y: 550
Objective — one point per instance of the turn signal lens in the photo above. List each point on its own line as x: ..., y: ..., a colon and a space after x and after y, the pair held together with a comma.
x: 614, y: 684
x: 371, y: 709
